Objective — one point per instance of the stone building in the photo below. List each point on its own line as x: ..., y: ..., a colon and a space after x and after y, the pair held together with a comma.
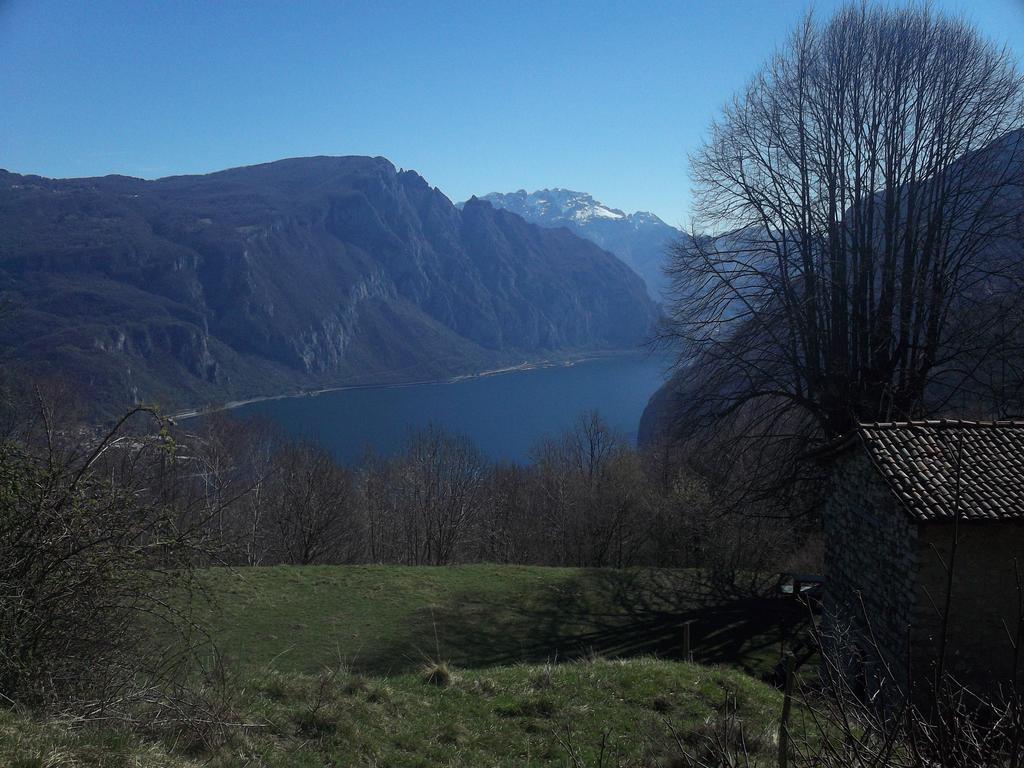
x: 902, y: 497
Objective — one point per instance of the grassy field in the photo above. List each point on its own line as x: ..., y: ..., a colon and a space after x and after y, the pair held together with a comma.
x: 388, y: 619
x: 543, y: 666
x: 510, y: 716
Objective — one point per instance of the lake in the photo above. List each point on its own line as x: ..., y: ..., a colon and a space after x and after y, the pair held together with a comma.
x: 504, y: 414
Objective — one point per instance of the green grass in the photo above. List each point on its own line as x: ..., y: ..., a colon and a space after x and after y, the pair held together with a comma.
x: 389, y: 619
x: 511, y: 716
x: 461, y: 666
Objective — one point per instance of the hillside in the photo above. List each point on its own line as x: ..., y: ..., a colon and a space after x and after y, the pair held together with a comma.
x: 591, y: 713
x: 640, y: 239
x: 297, y: 273
x: 328, y: 665
x: 386, y: 619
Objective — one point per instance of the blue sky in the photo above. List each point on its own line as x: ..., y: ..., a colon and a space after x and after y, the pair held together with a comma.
x: 477, y: 96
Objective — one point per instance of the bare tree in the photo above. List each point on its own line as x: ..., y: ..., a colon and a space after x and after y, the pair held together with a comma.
x: 510, y: 531
x: 234, y: 460
x: 441, y: 480
x: 859, y: 194
x: 310, y: 504
x: 593, y: 494
x: 378, y: 508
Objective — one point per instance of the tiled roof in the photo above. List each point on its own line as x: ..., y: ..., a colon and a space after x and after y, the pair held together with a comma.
x: 919, y: 462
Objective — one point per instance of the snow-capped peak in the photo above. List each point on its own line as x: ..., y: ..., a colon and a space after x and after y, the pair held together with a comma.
x: 596, y: 211
x: 639, y: 239
x: 557, y: 203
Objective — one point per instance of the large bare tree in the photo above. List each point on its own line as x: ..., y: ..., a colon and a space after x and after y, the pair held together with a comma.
x: 859, y: 202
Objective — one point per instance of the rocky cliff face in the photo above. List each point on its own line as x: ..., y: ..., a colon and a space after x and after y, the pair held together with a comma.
x: 297, y: 273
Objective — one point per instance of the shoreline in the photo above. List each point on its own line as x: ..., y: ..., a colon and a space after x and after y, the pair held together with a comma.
x: 526, y: 365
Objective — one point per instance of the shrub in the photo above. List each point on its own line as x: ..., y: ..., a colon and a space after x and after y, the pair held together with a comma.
x: 543, y: 678
x: 436, y: 673
x: 91, y: 550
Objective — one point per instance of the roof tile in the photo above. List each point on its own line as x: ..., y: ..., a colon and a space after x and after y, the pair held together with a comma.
x: 919, y: 461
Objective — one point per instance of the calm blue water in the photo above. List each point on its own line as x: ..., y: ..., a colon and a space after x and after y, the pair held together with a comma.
x: 505, y: 414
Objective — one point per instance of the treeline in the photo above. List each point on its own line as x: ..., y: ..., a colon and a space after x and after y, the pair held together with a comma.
x: 586, y: 498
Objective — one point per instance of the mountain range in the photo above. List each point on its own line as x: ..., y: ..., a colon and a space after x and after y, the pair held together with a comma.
x: 290, y: 275
x: 640, y: 239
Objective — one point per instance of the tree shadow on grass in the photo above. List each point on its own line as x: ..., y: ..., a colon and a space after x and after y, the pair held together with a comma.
x: 608, y: 613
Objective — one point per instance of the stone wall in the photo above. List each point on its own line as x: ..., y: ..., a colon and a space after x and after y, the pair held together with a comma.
x: 984, y: 602
x: 871, y: 557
